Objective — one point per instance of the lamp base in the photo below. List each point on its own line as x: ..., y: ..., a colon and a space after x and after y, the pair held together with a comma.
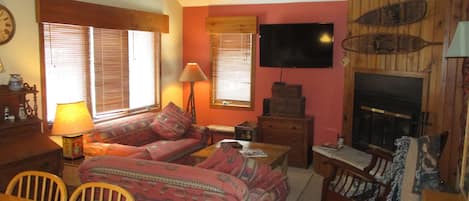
x: 191, y: 104
x: 72, y: 147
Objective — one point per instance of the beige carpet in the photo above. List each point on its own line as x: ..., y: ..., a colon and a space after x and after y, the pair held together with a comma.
x: 305, y: 184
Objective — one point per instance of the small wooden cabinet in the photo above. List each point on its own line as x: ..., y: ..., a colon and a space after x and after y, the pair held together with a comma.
x: 290, y: 131
x: 70, y: 172
x: 429, y: 195
x: 319, y: 165
x: 22, y: 144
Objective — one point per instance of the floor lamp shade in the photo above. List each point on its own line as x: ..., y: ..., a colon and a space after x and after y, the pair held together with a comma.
x: 71, y: 121
x: 460, y: 44
x: 192, y: 73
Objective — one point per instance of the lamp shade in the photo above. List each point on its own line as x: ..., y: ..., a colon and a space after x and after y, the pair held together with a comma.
x: 72, y: 119
x: 191, y: 73
x: 460, y: 45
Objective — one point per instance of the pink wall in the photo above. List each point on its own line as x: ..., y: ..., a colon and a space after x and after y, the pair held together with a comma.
x: 323, y: 88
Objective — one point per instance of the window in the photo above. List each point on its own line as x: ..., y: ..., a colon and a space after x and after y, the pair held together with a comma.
x: 114, y: 71
x: 232, y: 69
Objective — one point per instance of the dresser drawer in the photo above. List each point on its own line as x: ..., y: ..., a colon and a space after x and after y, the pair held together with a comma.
x: 48, y: 162
x: 285, y: 125
x: 26, y: 127
x: 285, y: 138
x: 283, y: 133
x: 293, y: 132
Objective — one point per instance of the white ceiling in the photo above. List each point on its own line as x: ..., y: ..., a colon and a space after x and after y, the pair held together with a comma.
x: 194, y: 3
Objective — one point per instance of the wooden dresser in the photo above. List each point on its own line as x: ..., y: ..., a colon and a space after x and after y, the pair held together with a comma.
x: 290, y: 131
x: 22, y: 145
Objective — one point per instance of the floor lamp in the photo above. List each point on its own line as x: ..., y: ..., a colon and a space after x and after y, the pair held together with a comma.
x: 459, y: 48
x: 192, y: 73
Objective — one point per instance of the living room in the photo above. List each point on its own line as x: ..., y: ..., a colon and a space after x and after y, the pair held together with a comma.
x: 329, y: 98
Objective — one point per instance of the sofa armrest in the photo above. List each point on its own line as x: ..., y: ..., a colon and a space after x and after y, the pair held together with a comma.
x: 95, y: 148
x: 99, y: 149
x: 198, y: 132
x: 154, y: 180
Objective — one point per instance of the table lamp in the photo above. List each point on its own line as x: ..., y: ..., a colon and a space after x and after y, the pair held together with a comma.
x: 460, y: 45
x: 192, y: 73
x: 72, y: 120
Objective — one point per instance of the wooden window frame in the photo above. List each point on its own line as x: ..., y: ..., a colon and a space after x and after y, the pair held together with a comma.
x: 88, y: 14
x: 233, y: 24
x: 233, y: 104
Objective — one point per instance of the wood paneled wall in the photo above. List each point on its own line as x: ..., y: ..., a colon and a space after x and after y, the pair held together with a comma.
x: 443, y: 93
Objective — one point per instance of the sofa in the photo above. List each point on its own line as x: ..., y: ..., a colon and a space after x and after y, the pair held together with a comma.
x: 225, y: 175
x: 135, y: 137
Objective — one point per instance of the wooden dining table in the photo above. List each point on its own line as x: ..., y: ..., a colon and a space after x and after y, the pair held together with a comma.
x: 5, y: 197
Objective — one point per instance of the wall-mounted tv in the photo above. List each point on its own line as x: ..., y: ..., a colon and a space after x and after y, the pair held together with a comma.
x: 307, y: 45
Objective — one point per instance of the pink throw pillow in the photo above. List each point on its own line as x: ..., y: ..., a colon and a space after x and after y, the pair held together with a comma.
x: 172, y: 123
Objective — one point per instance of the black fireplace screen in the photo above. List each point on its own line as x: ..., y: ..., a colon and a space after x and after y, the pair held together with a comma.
x: 385, y: 108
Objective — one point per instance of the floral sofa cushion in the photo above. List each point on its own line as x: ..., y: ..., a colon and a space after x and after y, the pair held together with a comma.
x: 171, y: 123
x: 164, y: 150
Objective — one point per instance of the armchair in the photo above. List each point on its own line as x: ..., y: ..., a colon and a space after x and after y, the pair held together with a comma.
x: 381, y: 160
x: 399, y: 176
x: 350, y: 183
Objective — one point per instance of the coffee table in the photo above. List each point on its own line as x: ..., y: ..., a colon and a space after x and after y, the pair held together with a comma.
x: 277, y: 155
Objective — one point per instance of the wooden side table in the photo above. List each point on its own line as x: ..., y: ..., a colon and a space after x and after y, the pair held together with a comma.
x: 429, y: 195
x: 347, y: 154
x: 70, y: 167
x: 70, y: 172
x: 213, y: 129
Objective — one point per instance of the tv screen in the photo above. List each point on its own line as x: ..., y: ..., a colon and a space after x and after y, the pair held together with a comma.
x: 307, y: 45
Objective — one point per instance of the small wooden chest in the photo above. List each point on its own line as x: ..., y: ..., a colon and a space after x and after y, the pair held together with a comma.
x: 286, y: 91
x: 287, y: 107
x: 246, y: 131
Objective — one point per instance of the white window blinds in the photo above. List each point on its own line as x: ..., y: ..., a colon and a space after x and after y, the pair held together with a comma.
x: 114, y: 71
x: 111, y: 70
x: 232, y: 68
x: 66, y: 64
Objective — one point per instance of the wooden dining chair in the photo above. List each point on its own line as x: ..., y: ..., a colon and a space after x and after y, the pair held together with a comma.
x: 100, y: 191
x: 37, y: 185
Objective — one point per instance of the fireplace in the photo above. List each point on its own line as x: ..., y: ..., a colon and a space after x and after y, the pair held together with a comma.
x: 386, y: 107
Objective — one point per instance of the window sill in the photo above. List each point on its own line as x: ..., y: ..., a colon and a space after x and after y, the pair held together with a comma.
x: 232, y: 107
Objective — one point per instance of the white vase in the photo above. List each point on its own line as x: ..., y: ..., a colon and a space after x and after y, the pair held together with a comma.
x: 16, y: 82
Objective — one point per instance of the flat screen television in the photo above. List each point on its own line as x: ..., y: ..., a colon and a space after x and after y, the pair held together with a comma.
x: 307, y: 45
